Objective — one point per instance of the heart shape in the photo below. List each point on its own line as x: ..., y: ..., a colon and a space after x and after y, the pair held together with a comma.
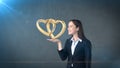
x: 49, y: 32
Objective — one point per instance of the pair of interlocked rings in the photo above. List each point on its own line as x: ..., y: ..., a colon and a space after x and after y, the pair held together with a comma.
x: 50, y: 32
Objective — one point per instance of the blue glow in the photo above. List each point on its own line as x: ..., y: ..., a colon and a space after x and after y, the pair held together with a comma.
x: 5, y: 7
x: 0, y: 1
x: 3, y: 4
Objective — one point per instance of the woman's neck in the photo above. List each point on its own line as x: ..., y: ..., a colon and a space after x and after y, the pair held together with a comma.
x: 75, y: 37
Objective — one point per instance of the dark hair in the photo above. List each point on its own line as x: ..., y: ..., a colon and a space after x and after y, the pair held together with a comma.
x: 78, y: 23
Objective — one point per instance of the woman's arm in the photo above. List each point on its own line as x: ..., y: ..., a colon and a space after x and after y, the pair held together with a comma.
x: 59, y: 46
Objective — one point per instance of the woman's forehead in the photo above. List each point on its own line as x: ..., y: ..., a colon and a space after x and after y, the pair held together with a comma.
x: 71, y: 23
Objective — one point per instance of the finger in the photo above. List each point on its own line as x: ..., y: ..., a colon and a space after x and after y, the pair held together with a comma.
x: 50, y: 40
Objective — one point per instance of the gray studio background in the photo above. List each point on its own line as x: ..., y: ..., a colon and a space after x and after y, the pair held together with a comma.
x: 23, y: 46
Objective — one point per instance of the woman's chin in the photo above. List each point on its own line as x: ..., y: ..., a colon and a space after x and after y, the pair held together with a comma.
x: 69, y: 34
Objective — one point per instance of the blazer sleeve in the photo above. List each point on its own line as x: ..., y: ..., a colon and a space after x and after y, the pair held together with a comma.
x: 63, y: 53
x: 88, y: 54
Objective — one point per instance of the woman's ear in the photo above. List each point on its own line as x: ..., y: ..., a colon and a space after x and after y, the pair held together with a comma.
x: 77, y: 28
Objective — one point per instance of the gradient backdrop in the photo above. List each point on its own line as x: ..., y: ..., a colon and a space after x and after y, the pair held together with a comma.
x: 23, y: 46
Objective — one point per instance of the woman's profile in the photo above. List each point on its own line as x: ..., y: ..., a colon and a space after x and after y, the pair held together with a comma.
x: 77, y: 49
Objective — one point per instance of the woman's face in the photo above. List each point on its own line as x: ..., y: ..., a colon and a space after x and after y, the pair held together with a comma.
x: 72, y: 28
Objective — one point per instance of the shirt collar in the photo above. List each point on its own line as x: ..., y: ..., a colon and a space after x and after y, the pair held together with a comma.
x: 77, y: 40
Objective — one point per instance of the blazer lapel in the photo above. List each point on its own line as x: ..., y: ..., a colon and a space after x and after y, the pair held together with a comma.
x: 70, y: 44
x: 77, y: 47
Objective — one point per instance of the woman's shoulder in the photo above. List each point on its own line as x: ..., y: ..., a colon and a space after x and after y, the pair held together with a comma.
x: 68, y: 39
x: 85, y: 40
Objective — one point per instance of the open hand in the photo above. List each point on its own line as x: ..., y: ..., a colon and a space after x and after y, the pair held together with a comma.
x: 54, y: 40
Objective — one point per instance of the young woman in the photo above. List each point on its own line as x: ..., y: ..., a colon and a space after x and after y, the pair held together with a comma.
x: 77, y: 49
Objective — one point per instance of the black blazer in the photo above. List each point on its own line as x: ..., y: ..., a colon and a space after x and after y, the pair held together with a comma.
x: 82, y: 54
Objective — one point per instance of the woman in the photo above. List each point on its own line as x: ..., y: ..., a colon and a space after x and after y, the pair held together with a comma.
x: 77, y: 49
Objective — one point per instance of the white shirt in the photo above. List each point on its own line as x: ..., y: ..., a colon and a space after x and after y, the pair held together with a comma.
x: 74, y: 44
